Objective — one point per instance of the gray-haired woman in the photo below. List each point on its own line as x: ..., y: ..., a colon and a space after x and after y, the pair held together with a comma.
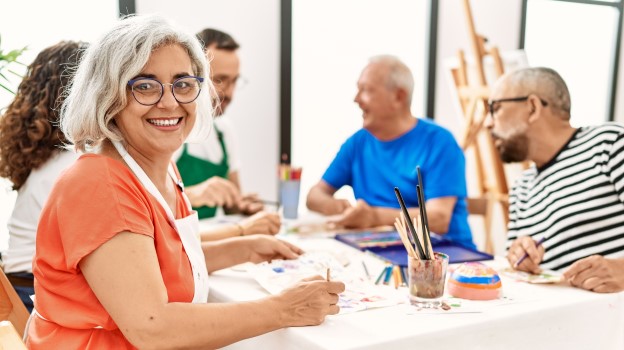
x: 119, y: 264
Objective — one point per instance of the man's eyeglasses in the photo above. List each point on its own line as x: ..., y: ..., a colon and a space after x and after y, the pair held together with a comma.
x: 493, y: 104
x: 149, y: 91
x: 224, y: 82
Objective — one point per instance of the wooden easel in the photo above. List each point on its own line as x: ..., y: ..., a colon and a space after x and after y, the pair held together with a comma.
x: 473, y: 96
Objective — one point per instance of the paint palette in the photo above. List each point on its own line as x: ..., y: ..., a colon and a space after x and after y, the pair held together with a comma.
x: 475, y: 281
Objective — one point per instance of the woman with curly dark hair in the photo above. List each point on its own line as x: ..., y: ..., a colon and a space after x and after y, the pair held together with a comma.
x: 31, y: 153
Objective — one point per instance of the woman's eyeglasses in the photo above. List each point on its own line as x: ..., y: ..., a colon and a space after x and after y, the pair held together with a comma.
x: 149, y: 91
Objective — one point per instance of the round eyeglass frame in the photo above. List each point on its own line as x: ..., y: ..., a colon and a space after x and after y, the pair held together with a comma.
x: 162, y: 89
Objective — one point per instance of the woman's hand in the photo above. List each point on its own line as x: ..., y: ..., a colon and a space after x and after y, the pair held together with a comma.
x: 261, y: 223
x: 266, y: 248
x: 309, y: 301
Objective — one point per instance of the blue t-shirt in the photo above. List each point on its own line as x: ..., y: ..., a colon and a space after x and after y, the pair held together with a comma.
x: 373, y: 168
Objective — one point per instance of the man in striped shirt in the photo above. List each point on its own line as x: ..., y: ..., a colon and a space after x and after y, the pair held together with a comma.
x: 566, y: 212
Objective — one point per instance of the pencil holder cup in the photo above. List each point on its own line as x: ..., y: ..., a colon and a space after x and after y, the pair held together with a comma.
x: 289, y: 198
x: 426, y: 281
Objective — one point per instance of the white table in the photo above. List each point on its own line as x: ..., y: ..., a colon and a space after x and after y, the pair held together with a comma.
x: 548, y: 317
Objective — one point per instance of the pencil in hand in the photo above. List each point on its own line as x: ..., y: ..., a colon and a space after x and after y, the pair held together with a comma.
x: 537, y: 244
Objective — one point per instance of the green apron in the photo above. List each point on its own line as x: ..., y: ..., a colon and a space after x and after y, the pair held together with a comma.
x: 196, y: 170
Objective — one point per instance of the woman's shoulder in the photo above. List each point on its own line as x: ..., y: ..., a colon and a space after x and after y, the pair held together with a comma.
x: 94, y: 169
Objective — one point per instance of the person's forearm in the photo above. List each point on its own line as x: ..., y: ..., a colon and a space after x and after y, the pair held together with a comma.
x: 386, y: 216
x: 193, y: 196
x: 222, y: 232
x: 206, y: 326
x: 438, y: 222
x: 225, y: 253
x: 319, y: 201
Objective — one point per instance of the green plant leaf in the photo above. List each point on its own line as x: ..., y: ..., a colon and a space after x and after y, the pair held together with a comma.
x: 6, y: 60
x: 7, y: 89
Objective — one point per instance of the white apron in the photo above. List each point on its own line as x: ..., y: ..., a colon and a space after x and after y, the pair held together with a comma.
x: 187, y: 228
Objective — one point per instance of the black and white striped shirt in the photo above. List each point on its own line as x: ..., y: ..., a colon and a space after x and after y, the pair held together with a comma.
x: 576, y: 201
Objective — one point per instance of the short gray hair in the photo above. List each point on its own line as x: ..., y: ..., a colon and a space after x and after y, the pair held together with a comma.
x: 546, y: 83
x: 400, y: 76
x: 98, y: 91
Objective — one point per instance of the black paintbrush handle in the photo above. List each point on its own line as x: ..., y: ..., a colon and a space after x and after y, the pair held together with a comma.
x: 423, y: 220
x: 410, y: 225
x: 422, y: 187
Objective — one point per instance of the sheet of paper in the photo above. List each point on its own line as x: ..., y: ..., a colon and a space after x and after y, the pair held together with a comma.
x: 546, y: 276
x: 360, y: 294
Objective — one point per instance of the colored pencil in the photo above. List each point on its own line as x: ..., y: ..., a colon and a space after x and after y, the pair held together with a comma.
x: 368, y: 276
x: 381, y: 274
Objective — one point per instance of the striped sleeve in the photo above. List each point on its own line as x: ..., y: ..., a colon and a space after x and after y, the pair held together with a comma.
x: 616, y: 165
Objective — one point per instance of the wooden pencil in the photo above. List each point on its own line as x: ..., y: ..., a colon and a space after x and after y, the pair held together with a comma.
x: 405, y: 240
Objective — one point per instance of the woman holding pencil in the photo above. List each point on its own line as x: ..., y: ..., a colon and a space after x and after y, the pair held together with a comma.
x: 118, y: 264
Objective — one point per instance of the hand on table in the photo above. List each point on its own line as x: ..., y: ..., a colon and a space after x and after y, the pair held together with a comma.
x: 309, y: 301
x: 596, y: 273
x: 526, y: 245
x: 266, y: 248
x: 361, y: 215
x: 261, y: 223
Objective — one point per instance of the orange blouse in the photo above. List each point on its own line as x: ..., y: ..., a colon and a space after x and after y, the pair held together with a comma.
x: 91, y: 202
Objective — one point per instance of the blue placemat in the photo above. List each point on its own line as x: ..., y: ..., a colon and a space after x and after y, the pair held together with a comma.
x: 388, y: 246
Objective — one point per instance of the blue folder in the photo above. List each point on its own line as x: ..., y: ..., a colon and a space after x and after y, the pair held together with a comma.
x: 389, y: 247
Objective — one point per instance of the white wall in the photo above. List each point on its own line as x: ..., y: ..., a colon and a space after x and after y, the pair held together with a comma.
x: 254, y: 111
x: 37, y: 25
x: 327, y: 61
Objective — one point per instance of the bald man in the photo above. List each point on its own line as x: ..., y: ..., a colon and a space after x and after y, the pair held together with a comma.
x: 385, y: 153
x: 572, y: 198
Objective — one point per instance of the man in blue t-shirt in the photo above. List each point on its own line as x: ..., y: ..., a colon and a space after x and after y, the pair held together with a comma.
x: 385, y: 153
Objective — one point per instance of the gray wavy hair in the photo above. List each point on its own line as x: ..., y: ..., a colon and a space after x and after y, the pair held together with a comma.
x: 400, y: 76
x: 99, y: 88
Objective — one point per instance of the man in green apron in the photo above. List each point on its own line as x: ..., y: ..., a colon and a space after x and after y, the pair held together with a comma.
x: 210, y: 169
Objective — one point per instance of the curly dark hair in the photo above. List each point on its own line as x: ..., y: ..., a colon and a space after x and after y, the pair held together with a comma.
x: 29, y: 129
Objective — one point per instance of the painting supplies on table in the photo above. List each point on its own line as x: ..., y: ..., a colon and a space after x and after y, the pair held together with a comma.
x: 287, y: 172
x: 289, y: 189
x: 392, y: 274
x: 389, y: 246
x: 411, y: 231
x: 421, y: 239
x: 412, y: 238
